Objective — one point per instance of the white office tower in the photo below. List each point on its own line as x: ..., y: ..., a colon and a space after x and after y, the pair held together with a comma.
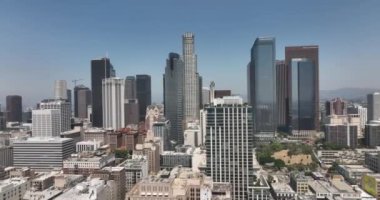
x: 65, y: 111
x: 191, y: 79
x: 113, y: 103
x: 229, y: 144
x: 373, y: 102
x: 60, y: 89
x: 46, y: 123
x: 205, y: 95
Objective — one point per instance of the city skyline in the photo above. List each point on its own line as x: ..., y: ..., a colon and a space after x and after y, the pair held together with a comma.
x: 50, y: 49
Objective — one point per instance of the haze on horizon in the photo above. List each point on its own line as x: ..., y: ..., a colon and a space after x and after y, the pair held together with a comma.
x: 42, y: 41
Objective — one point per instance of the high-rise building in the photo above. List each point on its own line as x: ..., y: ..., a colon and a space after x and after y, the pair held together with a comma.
x: 113, y: 103
x: 100, y: 69
x: 205, y: 96
x: 174, y: 96
x: 359, y: 110
x: 82, y: 99
x: 222, y: 93
x: 336, y: 106
x: 310, y: 53
x: 282, y: 87
x: 144, y: 93
x: 372, y: 133
x: 14, y: 108
x: 342, y: 135
x: 302, y: 102
x: 135, y: 170
x: 60, y: 89
x: 229, y: 144
x: 191, y: 78
x: 262, y: 87
x: 46, y: 123
x: 65, y: 111
x: 373, y: 106
x: 130, y: 87
x: 131, y: 107
x: 69, y: 97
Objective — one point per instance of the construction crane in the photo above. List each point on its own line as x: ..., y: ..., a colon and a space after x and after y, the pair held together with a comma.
x: 75, y: 82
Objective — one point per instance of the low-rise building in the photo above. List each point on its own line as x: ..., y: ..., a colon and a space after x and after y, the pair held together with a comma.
x: 135, y: 170
x: 116, y: 174
x: 88, y: 145
x: 87, y: 162
x: 13, y: 188
x: 150, y: 149
x: 299, y: 182
x: 171, y: 159
x: 95, y: 189
x: 260, y: 190
x: 282, y: 191
x: 336, y: 188
x: 353, y: 173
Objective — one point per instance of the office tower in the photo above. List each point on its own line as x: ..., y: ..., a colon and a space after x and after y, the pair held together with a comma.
x: 200, y: 93
x: 144, y: 94
x: 65, y: 110
x: 229, y: 144
x: 212, y: 91
x: 336, y: 106
x: 60, y: 89
x: 116, y: 174
x: 14, y: 108
x: 174, y: 96
x: 113, y: 103
x: 130, y: 87
x: 262, y: 87
x: 282, y: 84
x: 6, y: 155
x: 359, y: 110
x: 69, y: 97
x: 161, y: 129
x: 42, y: 154
x: 27, y: 116
x: 150, y: 149
x: 46, y: 123
x: 311, y: 54
x: 100, y: 69
x: 372, y: 134
x: 205, y: 96
x: 302, y: 99
x: 345, y: 135
x: 373, y: 105
x: 82, y: 99
x: 135, y: 170
x: 191, y: 78
x: 131, y: 107
x: 3, y: 121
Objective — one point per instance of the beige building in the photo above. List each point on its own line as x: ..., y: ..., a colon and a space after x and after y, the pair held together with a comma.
x: 179, y: 184
x: 13, y: 189
x: 150, y: 149
x: 116, y: 174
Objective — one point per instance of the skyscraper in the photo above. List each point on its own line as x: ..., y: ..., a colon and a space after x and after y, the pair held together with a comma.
x: 82, y: 99
x: 262, y: 87
x: 191, y: 78
x: 302, y: 102
x: 229, y: 144
x: 282, y: 87
x: 310, y: 53
x: 100, y: 69
x: 60, y: 89
x: 132, y: 114
x: 14, y: 108
x: 65, y: 111
x: 336, y: 106
x: 113, y: 103
x: 46, y: 123
x: 174, y: 96
x: 130, y: 87
x: 373, y: 106
x: 69, y: 97
x: 144, y: 93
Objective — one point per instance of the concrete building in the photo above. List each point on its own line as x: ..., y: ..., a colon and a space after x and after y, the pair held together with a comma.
x: 262, y: 91
x: 135, y: 170
x: 193, y: 135
x: 350, y: 119
x: 191, y: 79
x: 98, y: 134
x: 131, y: 107
x: 60, y: 89
x: 361, y: 111
x: 88, y: 146
x: 180, y: 183
x: 222, y: 93
x: 342, y: 135
x: 116, y: 174
x: 282, y: 92
x: 42, y: 154
x: 372, y: 134
x: 171, y: 159
x: 154, y: 113
x: 335, y: 188
x: 336, y: 106
x: 205, y: 96
x: 353, y: 173
x: 94, y: 189
x: 282, y: 191
x: 229, y: 136
x: 46, y: 123
x: 76, y: 134
x: 143, y: 93
x: 373, y: 106
x: 87, y: 163
x: 6, y: 156
x: 372, y: 161
x: 65, y: 111
x: 151, y: 150
x: 260, y: 190
x: 299, y: 182
x: 130, y: 87
x: 113, y: 103
x: 82, y: 99
x: 13, y: 108
x: 13, y: 189
x: 161, y: 129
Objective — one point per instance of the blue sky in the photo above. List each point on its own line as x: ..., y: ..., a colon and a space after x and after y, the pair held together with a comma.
x: 45, y: 40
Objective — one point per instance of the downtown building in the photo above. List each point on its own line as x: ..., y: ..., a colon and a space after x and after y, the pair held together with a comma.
x: 262, y: 88
x: 303, y: 66
x: 14, y: 108
x: 82, y: 100
x: 64, y: 108
x: 113, y: 103
x: 373, y: 106
x: 100, y: 69
x: 143, y: 94
x: 229, y: 144
x: 46, y: 123
x: 131, y: 102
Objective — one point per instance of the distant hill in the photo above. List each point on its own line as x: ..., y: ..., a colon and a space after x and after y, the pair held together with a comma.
x: 358, y: 94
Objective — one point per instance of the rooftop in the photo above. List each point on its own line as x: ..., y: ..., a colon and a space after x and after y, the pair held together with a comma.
x: 44, y: 140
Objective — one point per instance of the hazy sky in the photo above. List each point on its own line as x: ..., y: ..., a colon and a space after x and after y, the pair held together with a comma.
x: 45, y: 40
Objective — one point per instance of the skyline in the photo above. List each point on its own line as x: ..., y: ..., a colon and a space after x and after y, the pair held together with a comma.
x: 48, y: 41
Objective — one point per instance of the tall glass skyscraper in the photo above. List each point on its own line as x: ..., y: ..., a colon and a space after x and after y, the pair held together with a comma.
x: 262, y: 87
x: 302, y: 108
x: 143, y: 93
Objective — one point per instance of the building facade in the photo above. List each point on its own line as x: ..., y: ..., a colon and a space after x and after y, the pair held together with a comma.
x: 14, y: 108
x: 46, y: 123
x: 342, y: 135
x: 65, y: 111
x: 60, y: 90
x: 82, y: 99
x: 113, y: 103
x: 143, y: 93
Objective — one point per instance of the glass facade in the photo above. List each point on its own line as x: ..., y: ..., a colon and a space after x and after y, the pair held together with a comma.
x: 302, y: 108
x: 262, y: 85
